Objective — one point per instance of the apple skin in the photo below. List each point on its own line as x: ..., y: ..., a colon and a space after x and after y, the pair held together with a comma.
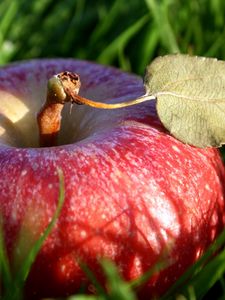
x: 133, y: 193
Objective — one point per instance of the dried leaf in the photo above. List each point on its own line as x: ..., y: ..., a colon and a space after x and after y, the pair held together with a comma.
x: 190, y: 93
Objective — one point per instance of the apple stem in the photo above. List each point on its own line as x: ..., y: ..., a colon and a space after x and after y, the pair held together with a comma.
x: 81, y: 100
x: 49, y: 117
x: 64, y: 87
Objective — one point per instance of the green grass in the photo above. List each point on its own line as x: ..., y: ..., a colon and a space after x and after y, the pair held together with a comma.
x: 126, y: 34
x: 13, y: 283
x: 113, y: 32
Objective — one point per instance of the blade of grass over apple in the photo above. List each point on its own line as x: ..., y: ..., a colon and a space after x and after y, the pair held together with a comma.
x: 5, y: 273
x: 117, y: 288
x: 203, y: 274
x: 86, y: 297
x: 91, y: 276
x: 203, y: 281
x: 222, y: 284
x: 13, y: 285
x: 34, y: 251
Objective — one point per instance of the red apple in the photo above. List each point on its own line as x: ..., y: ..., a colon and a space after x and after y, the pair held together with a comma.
x: 133, y: 192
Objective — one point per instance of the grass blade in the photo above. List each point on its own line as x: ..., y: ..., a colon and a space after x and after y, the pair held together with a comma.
x: 34, y: 251
x: 204, y: 280
x: 109, y: 54
x: 107, y: 22
x: 118, y: 288
x: 197, y: 268
x: 5, y: 273
x: 159, y: 11
x: 85, y: 297
x: 91, y: 276
x: 15, y: 287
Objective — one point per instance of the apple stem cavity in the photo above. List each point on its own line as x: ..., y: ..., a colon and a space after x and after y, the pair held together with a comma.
x: 64, y: 87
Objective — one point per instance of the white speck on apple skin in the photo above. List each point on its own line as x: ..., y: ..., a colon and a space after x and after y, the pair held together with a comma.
x: 24, y: 172
x: 63, y: 268
x: 207, y: 187
x: 175, y: 148
x: 198, y: 253
x: 83, y: 233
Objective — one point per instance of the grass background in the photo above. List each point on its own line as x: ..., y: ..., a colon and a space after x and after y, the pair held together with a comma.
x: 126, y: 34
